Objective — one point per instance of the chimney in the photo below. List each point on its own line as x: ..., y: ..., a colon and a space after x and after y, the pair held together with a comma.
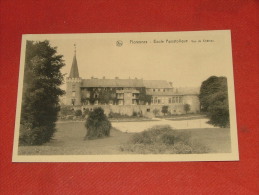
x: 116, y: 77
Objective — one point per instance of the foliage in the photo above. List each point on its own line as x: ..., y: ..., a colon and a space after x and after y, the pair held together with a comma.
x: 164, y: 110
x: 143, y: 97
x: 214, y: 100
x: 104, y: 96
x: 40, y: 103
x: 97, y: 124
x: 161, y: 140
x: 66, y: 110
x: 86, y: 112
x: 78, y: 113
x: 134, y: 113
x: 187, y: 108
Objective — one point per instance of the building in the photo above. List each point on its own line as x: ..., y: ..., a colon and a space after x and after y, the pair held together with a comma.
x: 126, y: 96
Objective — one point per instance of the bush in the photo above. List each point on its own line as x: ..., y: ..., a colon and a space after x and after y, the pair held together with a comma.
x: 97, y: 124
x: 164, y: 109
x: 86, y: 112
x: 78, y: 113
x: 118, y: 115
x: 135, y: 114
x: 66, y: 110
x: 162, y: 140
x: 157, y: 134
x: 34, y: 136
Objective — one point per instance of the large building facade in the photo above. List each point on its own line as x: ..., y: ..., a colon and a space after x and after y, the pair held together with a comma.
x: 126, y: 96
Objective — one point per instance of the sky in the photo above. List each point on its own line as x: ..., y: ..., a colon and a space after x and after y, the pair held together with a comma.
x: 184, y: 58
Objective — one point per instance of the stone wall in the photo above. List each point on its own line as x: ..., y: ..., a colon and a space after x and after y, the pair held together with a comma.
x: 148, y: 110
x: 193, y: 101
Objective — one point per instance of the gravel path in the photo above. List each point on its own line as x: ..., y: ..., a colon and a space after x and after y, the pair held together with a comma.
x: 181, y: 124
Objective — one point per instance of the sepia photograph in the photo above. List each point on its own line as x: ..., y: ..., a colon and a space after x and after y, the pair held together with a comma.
x: 126, y: 97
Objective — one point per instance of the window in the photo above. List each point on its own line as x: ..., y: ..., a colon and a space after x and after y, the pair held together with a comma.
x: 73, y: 94
x: 180, y: 100
x: 170, y: 100
x: 154, y: 90
x: 163, y: 90
x: 173, y: 100
x: 158, y: 101
x: 148, y: 110
x: 158, y: 89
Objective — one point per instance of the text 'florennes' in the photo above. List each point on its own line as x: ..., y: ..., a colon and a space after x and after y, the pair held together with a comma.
x: 166, y: 41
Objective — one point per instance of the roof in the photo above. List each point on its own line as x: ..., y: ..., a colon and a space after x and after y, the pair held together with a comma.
x: 177, y: 91
x: 112, y: 83
x: 155, y: 84
x: 74, y: 69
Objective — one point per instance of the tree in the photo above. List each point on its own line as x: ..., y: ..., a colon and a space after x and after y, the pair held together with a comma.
x: 165, y: 110
x: 214, y: 100
x: 97, y: 124
x: 143, y: 97
x: 40, y: 103
x: 187, y: 108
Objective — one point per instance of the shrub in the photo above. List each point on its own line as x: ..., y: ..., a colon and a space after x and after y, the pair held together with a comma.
x: 156, y: 111
x: 164, y: 109
x: 34, y: 136
x: 161, y: 134
x: 78, y: 113
x: 135, y: 114
x: 86, y: 112
x: 97, y: 124
x: 162, y: 140
x: 117, y: 115
x: 66, y: 110
x: 187, y: 108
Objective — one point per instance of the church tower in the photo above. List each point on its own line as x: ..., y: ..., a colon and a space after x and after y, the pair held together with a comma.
x: 73, y: 82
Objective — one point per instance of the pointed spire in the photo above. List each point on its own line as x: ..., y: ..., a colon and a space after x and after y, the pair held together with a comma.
x: 74, y: 69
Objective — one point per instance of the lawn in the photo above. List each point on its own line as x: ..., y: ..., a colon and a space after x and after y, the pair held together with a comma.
x: 69, y: 140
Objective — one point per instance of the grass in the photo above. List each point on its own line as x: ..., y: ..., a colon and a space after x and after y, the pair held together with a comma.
x: 69, y: 140
x: 163, y: 139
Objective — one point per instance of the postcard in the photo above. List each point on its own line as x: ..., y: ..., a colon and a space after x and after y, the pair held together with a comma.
x: 126, y: 97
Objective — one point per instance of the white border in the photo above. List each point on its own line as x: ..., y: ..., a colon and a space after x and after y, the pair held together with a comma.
x: 233, y: 156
